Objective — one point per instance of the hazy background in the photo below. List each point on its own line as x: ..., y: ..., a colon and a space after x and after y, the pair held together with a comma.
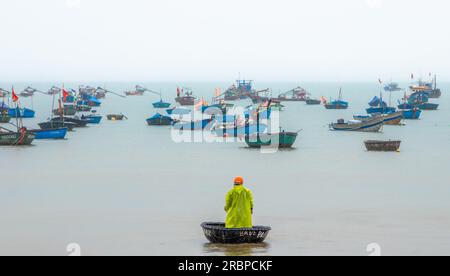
x: 197, y: 40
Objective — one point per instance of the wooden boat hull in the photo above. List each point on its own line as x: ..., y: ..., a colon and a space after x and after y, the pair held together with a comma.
x: 285, y: 140
x: 16, y: 139
x: 389, y: 119
x: 77, y: 122
x: 336, y: 106
x: 56, y: 133
x: 217, y: 233
x: 373, y: 125
x: 313, y: 102
x: 57, y: 124
x: 115, y: 117
x: 382, y: 145
x: 161, y: 121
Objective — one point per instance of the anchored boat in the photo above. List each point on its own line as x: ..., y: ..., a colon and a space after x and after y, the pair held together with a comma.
x: 412, y: 114
x: 161, y: 104
x: 116, y: 117
x: 373, y: 125
x: 337, y: 104
x: 21, y: 138
x: 188, y: 99
x: 310, y: 101
x: 283, y: 140
x: 55, y: 133
x: 297, y: 94
x: 217, y: 233
x: 160, y: 120
x: 382, y: 145
x: 92, y: 119
x: 21, y: 113
x: 394, y: 118
x: 57, y: 124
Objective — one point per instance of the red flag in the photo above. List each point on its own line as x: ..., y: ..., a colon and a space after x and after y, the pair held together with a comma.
x: 15, y: 98
x: 65, y: 94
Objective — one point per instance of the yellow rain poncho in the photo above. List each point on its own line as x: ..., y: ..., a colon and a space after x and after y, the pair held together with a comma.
x: 239, y: 205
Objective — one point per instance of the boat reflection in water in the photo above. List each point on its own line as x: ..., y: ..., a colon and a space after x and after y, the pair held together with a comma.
x: 259, y: 249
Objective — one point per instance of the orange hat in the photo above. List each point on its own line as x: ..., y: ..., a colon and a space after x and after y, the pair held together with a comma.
x: 239, y: 180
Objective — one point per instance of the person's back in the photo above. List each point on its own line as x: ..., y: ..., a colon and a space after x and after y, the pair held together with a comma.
x: 239, y: 206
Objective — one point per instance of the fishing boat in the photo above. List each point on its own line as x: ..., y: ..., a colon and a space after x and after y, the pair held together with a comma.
x: 178, y: 111
x: 310, y: 101
x: 337, y: 104
x: 55, y: 133
x: 54, y: 91
x: 28, y: 92
x: 92, y: 119
x: 160, y: 120
x: 239, y: 91
x: 20, y: 138
x: 412, y: 114
x: 380, y: 110
x: 161, y: 104
x: 21, y: 112
x: 78, y: 122
x: 83, y: 108
x: 92, y: 102
x: 394, y: 118
x: 68, y: 110
x: 373, y: 125
x: 297, y: 94
x: 283, y: 140
x: 55, y: 124
x: 392, y: 87
x: 428, y: 87
x: 217, y: 233
x: 139, y: 91
x: 116, y: 117
x: 383, y: 145
x: 185, y: 97
x: 428, y: 106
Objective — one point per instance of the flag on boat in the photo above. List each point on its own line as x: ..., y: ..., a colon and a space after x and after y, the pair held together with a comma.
x: 65, y: 94
x: 15, y: 98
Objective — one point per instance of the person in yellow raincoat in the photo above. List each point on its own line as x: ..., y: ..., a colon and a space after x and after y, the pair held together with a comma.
x: 239, y: 206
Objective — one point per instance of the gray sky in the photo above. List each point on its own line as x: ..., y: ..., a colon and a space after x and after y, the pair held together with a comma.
x: 180, y: 40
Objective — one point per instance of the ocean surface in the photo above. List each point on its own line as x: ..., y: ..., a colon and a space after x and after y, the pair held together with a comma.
x: 124, y: 188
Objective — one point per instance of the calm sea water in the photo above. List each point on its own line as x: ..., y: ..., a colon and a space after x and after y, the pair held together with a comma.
x: 126, y: 188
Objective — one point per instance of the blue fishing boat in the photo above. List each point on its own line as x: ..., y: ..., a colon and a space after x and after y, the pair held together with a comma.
x: 337, y: 104
x: 195, y: 125
x: 405, y: 106
x: 376, y: 102
x: 412, y: 114
x: 160, y: 120
x: 394, y: 118
x: 380, y: 110
x: 55, y: 133
x: 161, y: 104
x: 91, y: 101
x: 178, y: 111
x: 21, y: 113
x: 92, y: 119
x: 428, y: 106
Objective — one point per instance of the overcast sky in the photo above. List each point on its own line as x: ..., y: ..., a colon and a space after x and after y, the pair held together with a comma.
x: 212, y: 40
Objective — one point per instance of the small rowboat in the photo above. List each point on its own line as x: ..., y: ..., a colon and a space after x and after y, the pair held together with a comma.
x: 161, y: 104
x: 56, y: 133
x: 285, y: 140
x: 382, y: 145
x: 217, y: 233
x: 92, y: 119
x: 116, y: 117
x: 16, y: 138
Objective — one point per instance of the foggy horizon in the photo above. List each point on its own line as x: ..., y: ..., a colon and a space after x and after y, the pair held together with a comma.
x: 206, y: 41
